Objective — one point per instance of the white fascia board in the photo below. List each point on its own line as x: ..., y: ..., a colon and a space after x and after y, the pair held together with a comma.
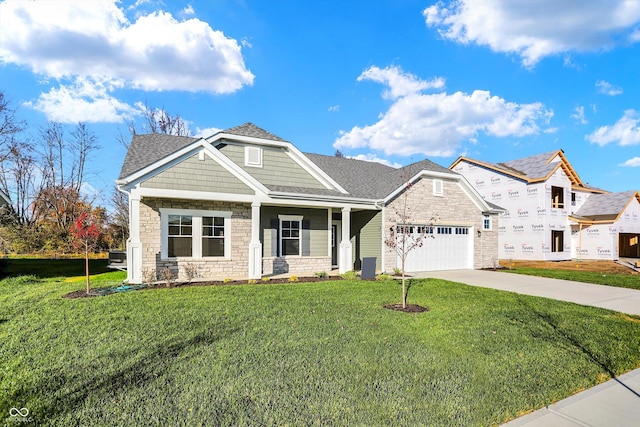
x: 293, y: 152
x: 321, y: 204
x: 422, y: 173
x: 186, y: 152
x: 248, y: 139
x: 193, y: 195
x: 339, y: 201
x: 304, y: 162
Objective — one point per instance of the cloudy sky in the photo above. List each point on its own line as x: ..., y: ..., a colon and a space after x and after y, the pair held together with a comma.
x: 388, y: 80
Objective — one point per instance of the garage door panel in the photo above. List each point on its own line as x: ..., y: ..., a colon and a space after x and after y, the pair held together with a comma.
x: 443, y: 252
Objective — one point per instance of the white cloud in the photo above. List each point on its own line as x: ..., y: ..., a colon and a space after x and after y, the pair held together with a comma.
x: 607, y: 88
x: 83, y: 101
x: 625, y: 131
x: 436, y: 124
x: 634, y: 162
x: 578, y: 115
x: 95, y: 40
x: 205, y: 132
x: 334, y: 108
x: 399, y: 83
x: 188, y: 10
x: 373, y: 158
x: 534, y: 30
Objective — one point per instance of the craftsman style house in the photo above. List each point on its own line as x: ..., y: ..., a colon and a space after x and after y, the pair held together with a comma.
x: 551, y: 213
x: 244, y: 203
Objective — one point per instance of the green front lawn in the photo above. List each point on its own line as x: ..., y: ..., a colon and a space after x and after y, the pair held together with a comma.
x: 323, y: 353
x: 619, y: 280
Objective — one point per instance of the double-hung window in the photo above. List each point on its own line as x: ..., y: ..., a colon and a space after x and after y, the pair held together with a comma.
x: 486, y: 222
x: 290, y: 235
x: 195, y: 233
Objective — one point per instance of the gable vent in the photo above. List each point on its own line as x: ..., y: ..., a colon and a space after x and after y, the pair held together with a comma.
x: 253, y: 157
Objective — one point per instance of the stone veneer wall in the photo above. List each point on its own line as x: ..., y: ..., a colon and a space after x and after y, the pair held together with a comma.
x: 454, y: 207
x: 236, y: 267
x: 298, y: 265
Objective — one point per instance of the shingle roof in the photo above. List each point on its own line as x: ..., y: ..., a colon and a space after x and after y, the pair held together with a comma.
x: 370, y: 180
x: 605, y: 206
x: 533, y: 167
x: 249, y: 129
x: 148, y: 149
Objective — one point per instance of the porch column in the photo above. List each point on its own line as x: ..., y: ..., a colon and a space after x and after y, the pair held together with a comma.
x: 255, y: 246
x: 346, y: 260
x: 134, y: 246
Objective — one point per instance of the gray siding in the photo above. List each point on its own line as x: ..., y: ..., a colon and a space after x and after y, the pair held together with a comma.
x: 198, y: 175
x: 315, y: 238
x: 277, y: 167
x: 366, y: 237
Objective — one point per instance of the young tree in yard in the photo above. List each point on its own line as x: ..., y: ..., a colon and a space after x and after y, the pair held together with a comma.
x: 86, y: 231
x: 405, y: 236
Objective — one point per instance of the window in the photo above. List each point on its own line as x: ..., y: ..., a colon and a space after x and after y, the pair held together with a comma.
x: 253, y: 157
x: 486, y: 222
x: 438, y: 187
x: 444, y: 230
x: 195, y: 233
x: 557, y: 197
x: 212, y: 236
x: 290, y: 235
x: 180, y: 235
x: 557, y: 241
x: 573, y: 199
x: 462, y: 230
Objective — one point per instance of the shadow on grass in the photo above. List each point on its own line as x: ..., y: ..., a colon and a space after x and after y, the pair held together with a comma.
x: 48, y: 268
x: 603, y: 361
x: 136, y: 368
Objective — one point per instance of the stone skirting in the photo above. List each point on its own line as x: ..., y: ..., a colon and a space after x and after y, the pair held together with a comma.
x: 281, y: 265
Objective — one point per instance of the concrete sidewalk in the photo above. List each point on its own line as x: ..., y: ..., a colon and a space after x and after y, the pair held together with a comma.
x: 613, y: 403
x: 618, y: 299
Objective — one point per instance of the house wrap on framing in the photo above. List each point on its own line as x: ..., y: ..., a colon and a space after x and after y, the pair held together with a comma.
x: 551, y: 213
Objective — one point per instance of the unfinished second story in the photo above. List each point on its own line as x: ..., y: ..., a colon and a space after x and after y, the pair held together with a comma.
x: 540, y: 186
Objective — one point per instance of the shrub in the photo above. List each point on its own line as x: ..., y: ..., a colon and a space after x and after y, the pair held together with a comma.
x: 252, y: 281
x: 349, y: 275
x: 382, y: 276
x: 266, y: 278
x: 397, y: 271
x: 228, y: 280
x: 166, y: 276
x: 191, y: 271
x: 293, y: 279
x: 149, y: 276
x: 321, y: 274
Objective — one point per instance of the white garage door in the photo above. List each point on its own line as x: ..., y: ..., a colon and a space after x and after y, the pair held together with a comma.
x: 451, y: 248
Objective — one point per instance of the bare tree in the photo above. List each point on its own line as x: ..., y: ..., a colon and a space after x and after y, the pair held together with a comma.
x: 156, y: 120
x: 405, y: 235
x: 120, y: 216
x: 10, y: 125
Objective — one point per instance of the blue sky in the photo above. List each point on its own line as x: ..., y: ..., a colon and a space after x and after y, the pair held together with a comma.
x: 396, y: 80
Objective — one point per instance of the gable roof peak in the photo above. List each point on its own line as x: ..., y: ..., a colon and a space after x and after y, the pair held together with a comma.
x: 251, y: 130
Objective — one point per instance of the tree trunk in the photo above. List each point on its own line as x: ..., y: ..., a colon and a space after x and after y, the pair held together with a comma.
x: 404, y: 291
x: 86, y: 265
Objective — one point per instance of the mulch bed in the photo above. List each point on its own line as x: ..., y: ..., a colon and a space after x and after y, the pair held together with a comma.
x: 409, y: 308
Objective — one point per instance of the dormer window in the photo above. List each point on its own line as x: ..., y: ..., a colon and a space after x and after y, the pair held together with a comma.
x: 253, y: 157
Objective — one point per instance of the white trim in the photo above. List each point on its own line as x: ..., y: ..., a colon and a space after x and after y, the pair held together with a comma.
x: 196, y: 234
x: 195, y: 195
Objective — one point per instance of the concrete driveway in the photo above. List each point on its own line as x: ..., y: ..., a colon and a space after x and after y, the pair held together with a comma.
x: 618, y: 299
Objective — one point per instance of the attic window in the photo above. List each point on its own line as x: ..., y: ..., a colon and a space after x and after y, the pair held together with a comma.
x: 437, y: 187
x: 253, y: 157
